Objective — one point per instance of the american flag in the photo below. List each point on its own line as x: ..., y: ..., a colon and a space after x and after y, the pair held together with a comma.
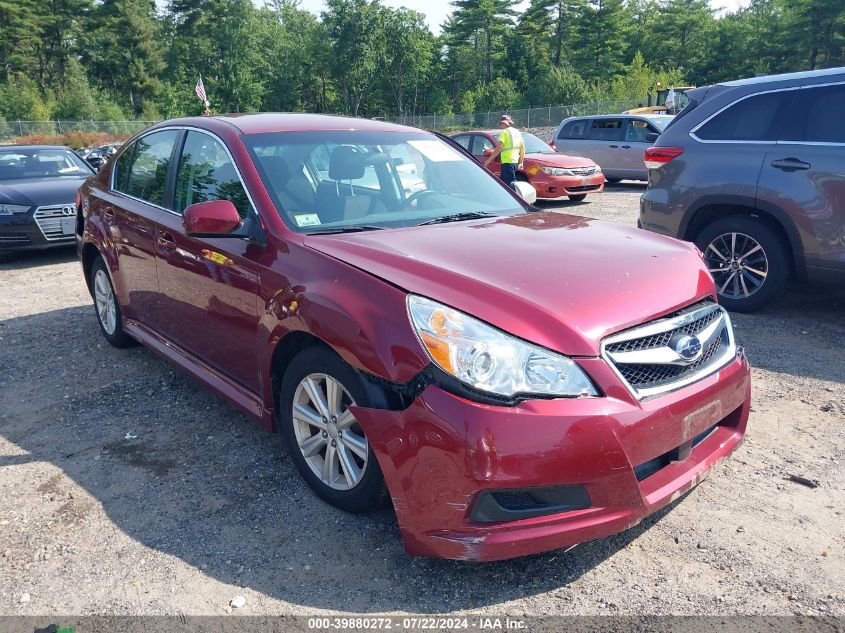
x: 200, y: 90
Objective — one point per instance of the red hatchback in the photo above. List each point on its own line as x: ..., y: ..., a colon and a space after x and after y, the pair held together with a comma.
x: 516, y: 380
x: 553, y: 175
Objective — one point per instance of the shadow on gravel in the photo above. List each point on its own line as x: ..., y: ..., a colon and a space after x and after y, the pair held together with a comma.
x: 181, y: 472
x: 34, y: 259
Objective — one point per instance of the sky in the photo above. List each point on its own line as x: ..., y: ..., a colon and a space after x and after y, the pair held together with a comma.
x: 437, y: 10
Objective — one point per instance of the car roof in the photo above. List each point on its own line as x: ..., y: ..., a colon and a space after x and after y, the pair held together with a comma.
x: 801, y: 76
x: 293, y: 122
x: 4, y: 147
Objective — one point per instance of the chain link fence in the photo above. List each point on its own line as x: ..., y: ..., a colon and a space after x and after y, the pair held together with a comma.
x: 12, y: 129
x: 535, y: 117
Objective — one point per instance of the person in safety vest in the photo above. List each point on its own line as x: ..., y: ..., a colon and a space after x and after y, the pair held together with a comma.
x: 511, y: 147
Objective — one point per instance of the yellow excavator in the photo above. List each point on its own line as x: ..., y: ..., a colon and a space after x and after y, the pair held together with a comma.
x: 659, y: 106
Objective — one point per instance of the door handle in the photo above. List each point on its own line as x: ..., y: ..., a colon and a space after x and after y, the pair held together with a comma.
x: 790, y: 164
x: 626, y: 147
x: 166, y: 239
x: 614, y: 147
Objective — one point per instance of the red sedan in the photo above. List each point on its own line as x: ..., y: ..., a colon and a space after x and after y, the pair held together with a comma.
x: 517, y: 381
x: 553, y: 175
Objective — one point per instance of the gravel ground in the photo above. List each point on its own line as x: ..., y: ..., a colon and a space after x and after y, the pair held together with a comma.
x: 127, y: 489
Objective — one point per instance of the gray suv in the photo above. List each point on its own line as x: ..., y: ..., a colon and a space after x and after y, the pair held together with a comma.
x: 615, y: 142
x: 753, y: 172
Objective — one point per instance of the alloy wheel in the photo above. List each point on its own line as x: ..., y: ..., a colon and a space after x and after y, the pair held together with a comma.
x: 738, y: 263
x: 104, y: 301
x: 328, y: 435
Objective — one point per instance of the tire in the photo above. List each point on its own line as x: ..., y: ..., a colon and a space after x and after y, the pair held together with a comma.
x: 358, y: 487
x: 522, y: 177
x: 578, y: 198
x: 613, y: 181
x: 107, y: 308
x: 748, y: 260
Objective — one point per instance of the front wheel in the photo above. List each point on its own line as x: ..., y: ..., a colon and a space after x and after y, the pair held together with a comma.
x: 328, y: 445
x: 578, y: 198
x: 747, y: 259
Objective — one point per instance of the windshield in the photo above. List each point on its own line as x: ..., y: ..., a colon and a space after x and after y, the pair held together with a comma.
x: 345, y: 178
x: 534, y: 145
x: 661, y: 121
x: 19, y: 163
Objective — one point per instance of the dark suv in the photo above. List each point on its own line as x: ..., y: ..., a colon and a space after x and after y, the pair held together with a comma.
x: 753, y: 172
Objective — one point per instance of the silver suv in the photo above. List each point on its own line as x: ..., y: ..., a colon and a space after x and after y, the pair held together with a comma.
x: 615, y: 142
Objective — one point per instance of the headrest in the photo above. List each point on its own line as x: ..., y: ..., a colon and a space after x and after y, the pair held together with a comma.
x: 347, y: 163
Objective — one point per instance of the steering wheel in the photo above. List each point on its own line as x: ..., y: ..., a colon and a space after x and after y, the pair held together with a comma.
x: 413, y: 197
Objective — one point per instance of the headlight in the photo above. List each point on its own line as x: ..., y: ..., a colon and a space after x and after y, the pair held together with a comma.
x: 9, y: 209
x: 556, y: 171
x: 483, y: 357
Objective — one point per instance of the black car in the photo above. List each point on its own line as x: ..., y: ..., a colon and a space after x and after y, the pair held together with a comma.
x: 38, y: 185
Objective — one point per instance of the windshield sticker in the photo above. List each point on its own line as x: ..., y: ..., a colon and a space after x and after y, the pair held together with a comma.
x: 436, y: 151
x: 307, y: 219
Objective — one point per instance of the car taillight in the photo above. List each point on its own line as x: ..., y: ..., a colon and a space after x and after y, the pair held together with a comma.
x: 658, y: 156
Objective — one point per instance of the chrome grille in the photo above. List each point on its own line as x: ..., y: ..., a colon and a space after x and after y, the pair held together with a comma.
x: 658, y: 356
x: 49, y: 220
x: 584, y: 171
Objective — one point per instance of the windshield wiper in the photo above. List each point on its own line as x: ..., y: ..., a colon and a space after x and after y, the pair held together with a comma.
x: 457, y: 217
x: 351, y: 228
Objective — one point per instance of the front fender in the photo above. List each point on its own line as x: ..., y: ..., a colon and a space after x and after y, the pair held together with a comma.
x: 361, y: 317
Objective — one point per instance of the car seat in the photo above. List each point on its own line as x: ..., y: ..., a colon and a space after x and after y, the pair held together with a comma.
x: 336, y: 201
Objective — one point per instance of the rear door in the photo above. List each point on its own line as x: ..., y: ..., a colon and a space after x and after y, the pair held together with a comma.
x: 209, y: 286
x: 805, y: 173
x: 130, y: 211
x: 607, y: 135
x: 573, y: 138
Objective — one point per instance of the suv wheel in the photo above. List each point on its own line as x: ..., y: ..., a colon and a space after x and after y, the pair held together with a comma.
x: 327, y: 444
x: 107, y: 307
x: 747, y: 260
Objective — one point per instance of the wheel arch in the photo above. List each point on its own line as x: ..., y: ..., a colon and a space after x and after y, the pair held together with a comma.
x: 717, y: 207
x: 89, y: 253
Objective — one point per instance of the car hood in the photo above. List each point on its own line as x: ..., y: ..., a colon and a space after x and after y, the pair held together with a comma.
x: 40, y: 191
x: 559, y: 160
x: 560, y: 281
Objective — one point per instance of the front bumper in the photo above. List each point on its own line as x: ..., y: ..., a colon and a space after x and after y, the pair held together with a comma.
x: 21, y: 232
x: 443, y: 453
x: 550, y: 187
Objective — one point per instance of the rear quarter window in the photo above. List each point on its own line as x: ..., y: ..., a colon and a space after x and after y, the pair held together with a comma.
x: 818, y: 115
x: 574, y: 129
x: 760, y: 117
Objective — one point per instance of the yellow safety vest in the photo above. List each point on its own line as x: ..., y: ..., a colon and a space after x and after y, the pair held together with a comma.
x: 511, y: 140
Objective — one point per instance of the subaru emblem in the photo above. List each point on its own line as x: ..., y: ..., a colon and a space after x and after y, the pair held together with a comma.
x: 688, y: 348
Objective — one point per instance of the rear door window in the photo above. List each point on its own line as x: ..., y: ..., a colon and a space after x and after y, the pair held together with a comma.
x: 120, y: 171
x: 207, y: 173
x: 147, y: 177
x: 464, y: 140
x: 480, y: 143
x: 574, y: 129
x: 818, y: 115
x: 607, y: 129
x: 761, y: 117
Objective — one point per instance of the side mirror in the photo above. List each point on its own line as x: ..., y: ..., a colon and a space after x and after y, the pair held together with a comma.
x: 488, y: 151
x: 526, y: 191
x: 215, y: 218
x: 651, y: 137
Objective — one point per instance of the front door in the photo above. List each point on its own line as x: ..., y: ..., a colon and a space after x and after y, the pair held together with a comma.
x: 606, y: 138
x: 482, y: 143
x: 209, y: 286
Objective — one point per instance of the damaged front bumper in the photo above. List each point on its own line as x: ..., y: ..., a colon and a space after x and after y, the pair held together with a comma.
x: 564, y: 471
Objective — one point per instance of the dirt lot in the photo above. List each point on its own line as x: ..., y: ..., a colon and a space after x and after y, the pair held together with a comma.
x: 126, y: 489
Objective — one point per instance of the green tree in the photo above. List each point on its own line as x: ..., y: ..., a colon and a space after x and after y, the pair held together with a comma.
x: 602, y: 28
x: 489, y: 17
x: 408, y: 51
x: 355, y: 34
x: 123, y: 51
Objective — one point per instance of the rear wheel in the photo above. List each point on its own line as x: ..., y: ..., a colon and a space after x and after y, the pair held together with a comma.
x: 747, y: 259
x: 107, y: 307
x: 328, y: 445
x: 578, y: 198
